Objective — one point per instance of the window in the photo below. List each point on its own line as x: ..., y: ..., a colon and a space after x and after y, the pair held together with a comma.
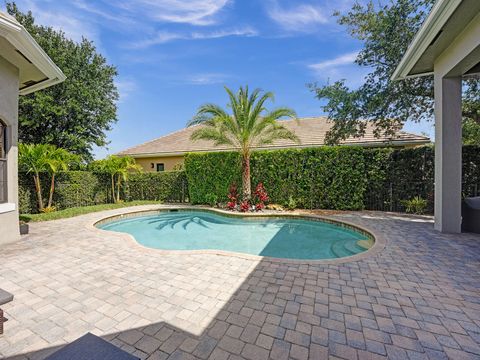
x: 161, y: 167
x: 3, y: 163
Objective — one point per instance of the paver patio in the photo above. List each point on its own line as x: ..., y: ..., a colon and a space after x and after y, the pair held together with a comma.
x: 418, y: 299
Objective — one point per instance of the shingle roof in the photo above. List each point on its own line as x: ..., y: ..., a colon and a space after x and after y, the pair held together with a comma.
x: 311, y: 132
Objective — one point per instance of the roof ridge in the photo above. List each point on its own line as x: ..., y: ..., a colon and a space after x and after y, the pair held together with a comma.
x: 183, y: 129
x: 158, y: 138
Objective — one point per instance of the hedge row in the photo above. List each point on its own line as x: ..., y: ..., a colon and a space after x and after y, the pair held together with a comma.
x: 83, y: 188
x: 330, y: 177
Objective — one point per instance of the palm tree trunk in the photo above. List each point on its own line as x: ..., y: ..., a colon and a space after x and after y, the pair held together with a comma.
x: 118, y: 189
x: 38, y: 190
x: 52, y: 189
x: 246, y: 185
x: 113, y: 189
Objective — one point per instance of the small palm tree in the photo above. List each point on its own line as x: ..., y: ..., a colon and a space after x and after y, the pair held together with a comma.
x: 44, y: 158
x: 250, y: 125
x: 58, y: 159
x: 118, y: 168
x: 33, y: 158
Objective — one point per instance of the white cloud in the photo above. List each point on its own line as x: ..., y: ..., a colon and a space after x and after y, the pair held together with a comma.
x: 303, y: 17
x: 207, y: 79
x: 345, y: 59
x: 195, y: 12
x: 125, y: 87
x: 163, y: 37
x: 340, y: 67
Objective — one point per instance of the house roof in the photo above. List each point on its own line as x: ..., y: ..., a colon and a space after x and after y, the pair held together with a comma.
x: 446, y: 21
x: 311, y: 132
x: 36, y: 69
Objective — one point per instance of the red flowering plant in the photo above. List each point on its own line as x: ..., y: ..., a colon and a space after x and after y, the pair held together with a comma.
x: 244, y: 206
x: 232, y: 197
x: 261, y: 196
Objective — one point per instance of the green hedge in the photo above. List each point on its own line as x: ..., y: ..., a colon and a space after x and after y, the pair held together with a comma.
x: 331, y: 177
x: 305, y: 175
x: 170, y: 186
x: 84, y: 188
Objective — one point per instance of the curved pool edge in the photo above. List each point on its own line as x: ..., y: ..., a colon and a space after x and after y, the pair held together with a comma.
x: 378, y: 246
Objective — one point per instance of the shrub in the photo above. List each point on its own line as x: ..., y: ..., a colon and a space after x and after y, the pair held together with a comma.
x: 85, y: 188
x: 211, y: 199
x: 416, y: 205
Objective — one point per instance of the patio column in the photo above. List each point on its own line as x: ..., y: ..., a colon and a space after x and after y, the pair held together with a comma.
x: 448, y: 153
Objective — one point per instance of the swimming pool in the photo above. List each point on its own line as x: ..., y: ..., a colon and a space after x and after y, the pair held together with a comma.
x: 278, y: 237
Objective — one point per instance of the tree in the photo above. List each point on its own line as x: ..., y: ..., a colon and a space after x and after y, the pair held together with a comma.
x: 33, y: 159
x: 58, y: 159
x: 42, y: 158
x: 118, y: 168
x: 386, y: 31
x: 249, y: 125
x: 75, y: 114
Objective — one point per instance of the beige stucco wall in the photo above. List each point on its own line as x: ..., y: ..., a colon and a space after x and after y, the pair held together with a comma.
x: 169, y: 161
x: 9, y: 230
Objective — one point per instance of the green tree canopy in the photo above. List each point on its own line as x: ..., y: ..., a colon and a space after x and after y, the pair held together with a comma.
x: 386, y: 29
x: 75, y: 114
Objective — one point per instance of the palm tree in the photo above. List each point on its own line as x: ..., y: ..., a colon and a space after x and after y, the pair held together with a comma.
x: 118, y: 168
x: 58, y: 159
x: 44, y: 158
x: 33, y: 158
x: 250, y: 125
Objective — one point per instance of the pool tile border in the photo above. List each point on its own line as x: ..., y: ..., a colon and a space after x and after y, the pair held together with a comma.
x: 378, y: 246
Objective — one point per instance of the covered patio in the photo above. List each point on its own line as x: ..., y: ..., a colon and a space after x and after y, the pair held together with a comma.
x: 447, y: 47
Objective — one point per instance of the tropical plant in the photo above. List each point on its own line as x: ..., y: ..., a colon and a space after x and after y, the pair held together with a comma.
x: 118, y: 168
x: 416, y: 205
x: 33, y: 158
x: 58, y: 160
x: 249, y: 125
x: 232, y: 197
x: 40, y: 158
x: 261, y: 196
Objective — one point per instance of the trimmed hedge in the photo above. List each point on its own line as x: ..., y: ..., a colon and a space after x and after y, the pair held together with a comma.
x: 85, y: 188
x: 170, y: 186
x: 305, y: 175
x: 330, y: 177
x: 340, y: 178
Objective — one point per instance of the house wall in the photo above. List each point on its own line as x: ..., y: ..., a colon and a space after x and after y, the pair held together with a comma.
x: 9, y: 230
x: 168, y: 161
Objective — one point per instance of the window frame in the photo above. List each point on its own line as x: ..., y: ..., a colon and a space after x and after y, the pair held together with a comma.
x: 157, y: 167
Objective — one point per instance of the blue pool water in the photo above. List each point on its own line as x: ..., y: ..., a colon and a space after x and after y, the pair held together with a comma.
x: 273, y: 237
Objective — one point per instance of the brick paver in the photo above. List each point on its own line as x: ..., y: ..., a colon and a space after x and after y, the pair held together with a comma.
x: 418, y: 299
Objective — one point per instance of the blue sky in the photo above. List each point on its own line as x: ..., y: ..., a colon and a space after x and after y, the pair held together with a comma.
x: 174, y: 55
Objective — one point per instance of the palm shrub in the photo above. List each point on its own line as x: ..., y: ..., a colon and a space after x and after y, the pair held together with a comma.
x: 118, y: 168
x: 43, y: 158
x: 58, y: 160
x: 249, y: 125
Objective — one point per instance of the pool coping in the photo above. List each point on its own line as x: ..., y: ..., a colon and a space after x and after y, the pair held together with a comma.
x: 378, y: 246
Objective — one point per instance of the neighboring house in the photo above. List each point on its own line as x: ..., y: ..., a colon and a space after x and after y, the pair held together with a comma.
x: 164, y: 153
x: 24, y: 68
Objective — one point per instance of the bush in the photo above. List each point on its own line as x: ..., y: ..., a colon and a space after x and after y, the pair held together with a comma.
x: 416, y: 205
x: 342, y: 178
x: 86, y: 188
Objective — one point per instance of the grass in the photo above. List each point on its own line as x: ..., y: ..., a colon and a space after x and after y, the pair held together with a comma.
x: 71, y: 212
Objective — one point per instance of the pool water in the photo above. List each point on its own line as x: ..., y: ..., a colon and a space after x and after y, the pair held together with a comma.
x: 273, y: 237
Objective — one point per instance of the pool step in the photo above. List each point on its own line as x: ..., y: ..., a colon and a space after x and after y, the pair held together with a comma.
x: 345, y: 248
